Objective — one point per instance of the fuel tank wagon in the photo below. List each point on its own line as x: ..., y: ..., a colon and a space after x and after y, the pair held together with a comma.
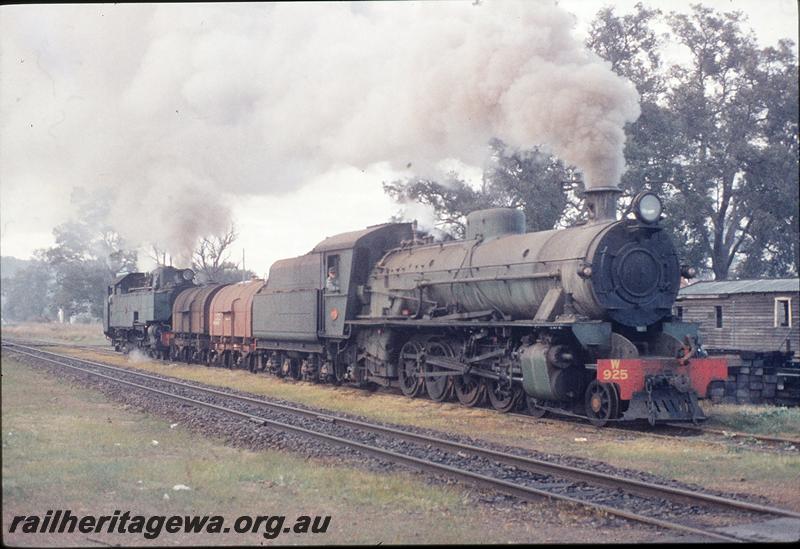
x: 190, y: 338
x: 231, y: 323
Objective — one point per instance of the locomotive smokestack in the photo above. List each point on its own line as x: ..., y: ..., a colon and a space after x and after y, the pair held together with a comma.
x: 601, y: 202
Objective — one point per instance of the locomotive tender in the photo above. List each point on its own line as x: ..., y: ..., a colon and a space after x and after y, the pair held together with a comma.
x: 574, y: 321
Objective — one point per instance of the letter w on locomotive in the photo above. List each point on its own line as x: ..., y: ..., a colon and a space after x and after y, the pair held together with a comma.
x: 657, y: 388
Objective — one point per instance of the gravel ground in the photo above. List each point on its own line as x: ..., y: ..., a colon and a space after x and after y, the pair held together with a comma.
x: 247, y: 434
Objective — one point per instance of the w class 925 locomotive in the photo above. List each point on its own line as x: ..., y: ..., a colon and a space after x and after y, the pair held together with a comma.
x: 573, y: 321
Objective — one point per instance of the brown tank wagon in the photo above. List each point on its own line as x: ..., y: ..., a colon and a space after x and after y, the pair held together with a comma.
x: 231, y: 323
x: 190, y: 326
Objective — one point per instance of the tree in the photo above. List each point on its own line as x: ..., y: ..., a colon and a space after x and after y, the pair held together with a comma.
x: 451, y: 200
x: 652, y: 151
x: 28, y: 293
x: 159, y: 256
x: 723, y: 101
x: 773, y: 245
x: 717, y: 137
x: 531, y: 180
x: 631, y: 45
x: 536, y: 182
x: 211, y: 259
x: 87, y: 256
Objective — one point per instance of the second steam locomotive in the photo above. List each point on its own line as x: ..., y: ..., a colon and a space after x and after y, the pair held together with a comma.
x: 574, y: 321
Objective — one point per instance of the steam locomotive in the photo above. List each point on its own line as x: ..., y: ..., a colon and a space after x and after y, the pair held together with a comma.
x: 574, y: 321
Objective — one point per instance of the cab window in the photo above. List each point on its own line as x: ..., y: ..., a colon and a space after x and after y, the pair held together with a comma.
x: 332, y: 274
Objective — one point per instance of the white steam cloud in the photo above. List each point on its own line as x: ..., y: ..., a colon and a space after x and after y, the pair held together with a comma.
x: 177, y: 107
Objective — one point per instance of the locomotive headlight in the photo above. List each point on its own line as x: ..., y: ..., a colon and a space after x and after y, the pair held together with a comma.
x: 188, y: 274
x: 647, y: 207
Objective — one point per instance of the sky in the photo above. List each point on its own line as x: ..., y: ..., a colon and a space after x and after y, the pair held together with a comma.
x: 286, y: 119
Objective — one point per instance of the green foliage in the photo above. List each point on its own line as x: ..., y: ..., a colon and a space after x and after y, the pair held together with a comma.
x: 451, y: 200
x: 631, y: 45
x: 537, y: 183
x: 717, y: 136
x: 28, y: 293
x: 776, y: 420
x: 74, y: 273
x: 531, y: 180
x: 717, y: 139
x: 86, y: 258
x: 10, y: 265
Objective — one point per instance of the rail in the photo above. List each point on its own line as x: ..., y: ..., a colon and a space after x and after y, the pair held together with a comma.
x: 522, y: 462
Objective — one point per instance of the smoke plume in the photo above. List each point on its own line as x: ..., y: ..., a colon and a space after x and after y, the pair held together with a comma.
x: 177, y: 107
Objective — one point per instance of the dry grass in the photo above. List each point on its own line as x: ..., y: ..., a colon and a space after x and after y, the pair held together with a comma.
x: 774, y: 476
x: 759, y: 419
x: 66, y: 447
x: 84, y: 334
x: 713, y: 465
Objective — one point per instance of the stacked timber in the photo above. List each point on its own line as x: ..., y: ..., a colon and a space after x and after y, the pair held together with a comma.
x: 759, y: 378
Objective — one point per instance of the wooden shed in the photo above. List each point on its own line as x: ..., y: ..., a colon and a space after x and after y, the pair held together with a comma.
x: 744, y: 315
x: 754, y: 325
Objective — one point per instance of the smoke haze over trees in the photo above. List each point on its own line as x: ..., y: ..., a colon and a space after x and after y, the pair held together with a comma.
x: 72, y: 276
x: 534, y: 181
x: 192, y: 109
x: 211, y: 259
x: 717, y: 139
x: 206, y: 104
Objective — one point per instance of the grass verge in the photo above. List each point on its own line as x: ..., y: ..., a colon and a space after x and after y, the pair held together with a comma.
x: 69, y: 448
x: 718, y: 466
x: 54, y: 332
x: 758, y: 419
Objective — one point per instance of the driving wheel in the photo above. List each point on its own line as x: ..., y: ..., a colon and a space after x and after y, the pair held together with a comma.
x: 410, y: 369
x: 439, y: 387
x: 469, y: 390
x: 602, y: 403
x: 502, y: 394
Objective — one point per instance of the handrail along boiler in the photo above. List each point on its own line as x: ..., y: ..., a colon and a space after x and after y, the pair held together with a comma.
x: 574, y: 320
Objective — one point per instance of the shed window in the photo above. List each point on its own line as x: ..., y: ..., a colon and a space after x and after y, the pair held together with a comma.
x: 783, y: 312
x: 679, y: 313
x: 718, y: 313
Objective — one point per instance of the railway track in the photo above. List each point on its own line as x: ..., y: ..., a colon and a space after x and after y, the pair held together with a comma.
x: 667, y: 431
x: 668, y: 507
